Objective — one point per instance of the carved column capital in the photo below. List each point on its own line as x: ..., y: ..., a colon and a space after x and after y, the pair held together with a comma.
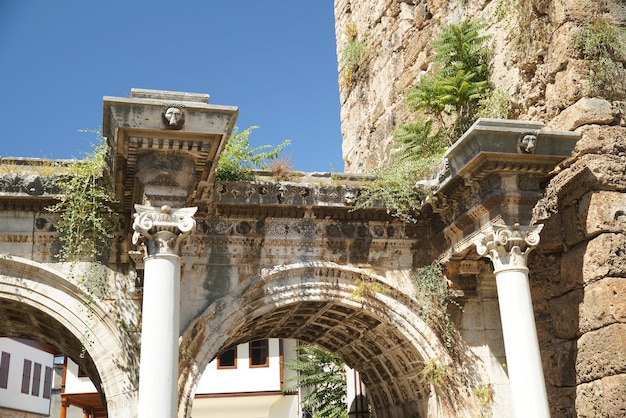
x: 162, y: 229
x: 508, y: 246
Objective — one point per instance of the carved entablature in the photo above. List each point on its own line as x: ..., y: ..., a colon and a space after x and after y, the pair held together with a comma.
x: 495, y: 172
x: 301, y: 229
x: 162, y: 122
x: 266, y: 193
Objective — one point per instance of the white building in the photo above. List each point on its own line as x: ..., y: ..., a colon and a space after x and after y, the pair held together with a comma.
x: 246, y: 381
x: 26, y: 377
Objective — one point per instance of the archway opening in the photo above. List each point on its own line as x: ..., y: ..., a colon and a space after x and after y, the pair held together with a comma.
x: 376, y: 330
x: 21, y: 321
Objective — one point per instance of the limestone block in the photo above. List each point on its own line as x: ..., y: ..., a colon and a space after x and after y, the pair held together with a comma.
x: 572, y: 232
x: 602, y: 398
x: 601, y: 353
x: 562, y: 401
x: 573, y: 10
x: 551, y: 235
x: 604, y: 258
x: 570, y: 86
x: 564, y: 314
x: 586, y: 111
x: 603, y: 304
x: 472, y: 318
x: 601, y: 139
x: 602, y: 212
x: 491, y: 313
x: 572, y: 268
x: 587, y: 173
x: 559, y: 364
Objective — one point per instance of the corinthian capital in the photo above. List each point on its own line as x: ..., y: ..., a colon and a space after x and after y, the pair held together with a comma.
x: 162, y: 229
x: 508, y: 246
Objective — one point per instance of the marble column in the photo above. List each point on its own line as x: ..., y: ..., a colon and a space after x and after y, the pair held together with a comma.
x: 508, y: 248
x: 161, y: 231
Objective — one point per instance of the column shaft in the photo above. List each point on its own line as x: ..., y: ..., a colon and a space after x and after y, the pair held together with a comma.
x: 508, y: 248
x: 160, y: 231
x: 523, y: 359
x: 158, y: 372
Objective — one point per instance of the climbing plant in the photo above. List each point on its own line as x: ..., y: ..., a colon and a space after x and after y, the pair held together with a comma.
x: 84, y: 206
x: 238, y: 160
x: 85, y: 222
x: 435, y: 298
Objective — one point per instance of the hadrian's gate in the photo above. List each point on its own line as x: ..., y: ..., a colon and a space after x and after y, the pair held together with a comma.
x: 287, y: 259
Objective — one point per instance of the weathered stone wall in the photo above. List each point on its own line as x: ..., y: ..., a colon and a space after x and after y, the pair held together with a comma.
x: 578, y: 273
x: 579, y: 278
x: 533, y: 59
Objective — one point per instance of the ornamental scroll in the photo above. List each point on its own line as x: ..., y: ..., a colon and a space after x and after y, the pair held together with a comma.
x: 508, y: 246
x: 162, y: 229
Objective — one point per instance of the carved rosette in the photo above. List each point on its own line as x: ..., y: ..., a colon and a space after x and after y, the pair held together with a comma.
x: 508, y: 246
x: 162, y: 229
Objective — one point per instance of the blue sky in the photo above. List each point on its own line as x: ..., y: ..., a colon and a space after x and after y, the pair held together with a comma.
x: 275, y: 60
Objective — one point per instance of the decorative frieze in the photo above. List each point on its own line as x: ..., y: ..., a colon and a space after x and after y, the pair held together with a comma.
x: 285, y: 194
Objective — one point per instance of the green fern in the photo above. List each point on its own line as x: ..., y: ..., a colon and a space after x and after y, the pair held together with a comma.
x: 462, y: 47
x: 414, y: 141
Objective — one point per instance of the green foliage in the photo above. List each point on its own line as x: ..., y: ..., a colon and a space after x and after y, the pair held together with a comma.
x: 459, y: 81
x: 394, y: 187
x: 484, y: 394
x: 351, y: 62
x: 366, y: 286
x: 415, y: 141
x: 452, y: 92
x: 496, y: 105
x: 352, y: 57
x: 238, y: 160
x: 85, y: 224
x: 323, y: 373
x: 603, y: 44
x: 85, y: 215
x: 434, y: 372
x: 462, y: 48
x: 434, y: 294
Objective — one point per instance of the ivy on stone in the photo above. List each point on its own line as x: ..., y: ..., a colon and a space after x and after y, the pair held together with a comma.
x: 85, y: 215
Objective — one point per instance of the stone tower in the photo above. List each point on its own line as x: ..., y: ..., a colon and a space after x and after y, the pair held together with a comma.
x: 579, y: 284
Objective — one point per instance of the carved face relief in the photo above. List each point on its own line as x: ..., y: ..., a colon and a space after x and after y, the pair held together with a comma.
x: 173, y: 117
x: 528, y: 143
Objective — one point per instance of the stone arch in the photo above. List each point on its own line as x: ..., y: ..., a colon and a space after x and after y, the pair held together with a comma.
x: 39, y: 303
x: 380, y: 334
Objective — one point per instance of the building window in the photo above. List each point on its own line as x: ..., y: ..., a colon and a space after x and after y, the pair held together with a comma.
x: 228, y: 359
x: 26, y: 376
x: 4, y: 369
x: 36, y: 380
x: 259, y: 353
x: 47, y: 383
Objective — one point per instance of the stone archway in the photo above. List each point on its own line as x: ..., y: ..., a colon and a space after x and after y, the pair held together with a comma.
x: 379, y: 333
x: 39, y: 303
